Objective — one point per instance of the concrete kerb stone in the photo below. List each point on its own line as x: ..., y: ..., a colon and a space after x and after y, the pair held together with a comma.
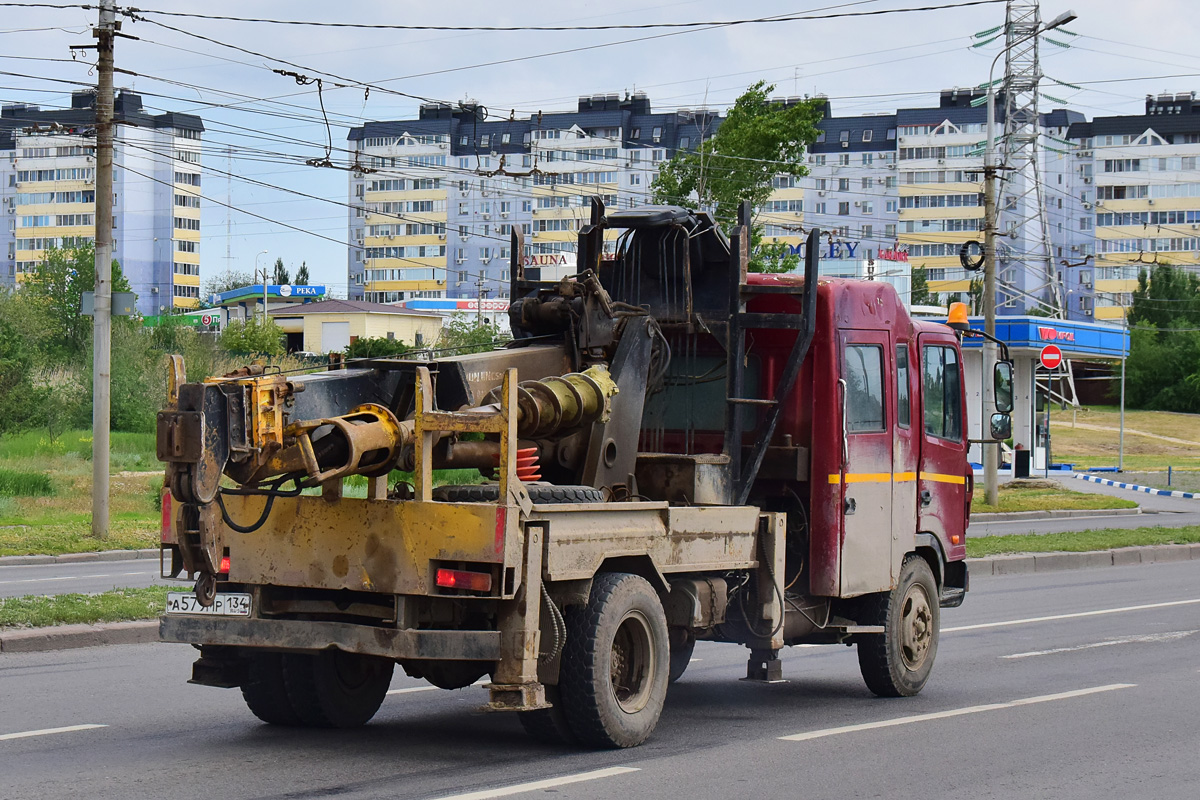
x: 79, y: 558
x: 1163, y: 553
x: 69, y: 637
x: 1018, y: 516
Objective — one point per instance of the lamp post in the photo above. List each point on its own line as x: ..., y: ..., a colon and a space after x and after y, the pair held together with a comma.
x: 264, y: 277
x: 991, y: 455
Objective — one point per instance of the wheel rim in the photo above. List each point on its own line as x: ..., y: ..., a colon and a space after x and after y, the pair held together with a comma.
x: 916, y: 626
x: 632, y: 662
x: 353, y: 672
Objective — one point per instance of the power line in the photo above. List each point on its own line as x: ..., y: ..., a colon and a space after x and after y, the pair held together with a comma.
x: 535, y: 28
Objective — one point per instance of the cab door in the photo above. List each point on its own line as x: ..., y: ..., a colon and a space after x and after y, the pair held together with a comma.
x: 866, y: 474
x: 944, y: 472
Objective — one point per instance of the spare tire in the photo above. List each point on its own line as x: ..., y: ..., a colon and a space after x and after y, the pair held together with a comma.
x: 538, y: 493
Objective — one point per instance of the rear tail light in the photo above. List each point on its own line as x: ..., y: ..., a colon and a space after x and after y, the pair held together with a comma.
x: 224, y: 568
x: 464, y: 581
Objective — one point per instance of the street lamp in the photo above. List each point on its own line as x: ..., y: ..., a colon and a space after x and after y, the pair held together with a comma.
x: 991, y: 455
x: 262, y: 253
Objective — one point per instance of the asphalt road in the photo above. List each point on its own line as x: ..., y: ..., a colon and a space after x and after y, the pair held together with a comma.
x: 91, y: 576
x: 1057, y: 685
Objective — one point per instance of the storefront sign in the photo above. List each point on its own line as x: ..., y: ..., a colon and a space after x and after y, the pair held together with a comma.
x: 1048, y: 334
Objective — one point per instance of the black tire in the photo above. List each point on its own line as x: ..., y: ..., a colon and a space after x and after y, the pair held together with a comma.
x: 549, y: 725
x: 333, y: 689
x: 538, y: 493
x: 616, y: 662
x: 264, y: 690
x: 683, y: 644
x: 897, y: 662
x: 449, y: 675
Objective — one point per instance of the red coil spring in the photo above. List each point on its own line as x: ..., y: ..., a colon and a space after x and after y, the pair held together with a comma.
x: 527, y: 465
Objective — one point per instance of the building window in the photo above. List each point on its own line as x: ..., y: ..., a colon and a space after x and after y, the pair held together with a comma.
x: 867, y: 135
x: 820, y: 137
x: 656, y: 135
x: 843, y: 209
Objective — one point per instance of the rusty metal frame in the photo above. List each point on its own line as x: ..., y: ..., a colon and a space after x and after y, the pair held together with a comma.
x: 428, y: 423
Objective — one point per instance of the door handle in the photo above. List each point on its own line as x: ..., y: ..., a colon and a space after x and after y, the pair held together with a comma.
x: 926, y: 497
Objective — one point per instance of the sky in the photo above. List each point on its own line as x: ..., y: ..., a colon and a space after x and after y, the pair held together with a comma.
x: 864, y: 64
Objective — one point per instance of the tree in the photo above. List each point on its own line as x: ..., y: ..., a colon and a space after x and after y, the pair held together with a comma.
x: 921, y: 296
x: 1163, y: 369
x: 253, y: 337
x: 302, y: 274
x: 54, y: 290
x: 463, y: 334
x: 280, y: 275
x: 19, y: 398
x: 226, y: 281
x: 758, y: 140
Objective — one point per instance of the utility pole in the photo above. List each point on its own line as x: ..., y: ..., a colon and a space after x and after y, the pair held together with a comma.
x: 1022, y: 27
x: 104, y: 32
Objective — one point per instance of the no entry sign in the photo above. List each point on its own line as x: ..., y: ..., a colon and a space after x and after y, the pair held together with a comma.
x: 1051, y: 356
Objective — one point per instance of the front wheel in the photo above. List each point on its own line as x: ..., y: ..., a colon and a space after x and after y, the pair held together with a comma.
x: 897, y: 662
x: 616, y: 662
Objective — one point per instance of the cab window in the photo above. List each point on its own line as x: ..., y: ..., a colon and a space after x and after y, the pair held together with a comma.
x: 942, y: 393
x: 864, y: 388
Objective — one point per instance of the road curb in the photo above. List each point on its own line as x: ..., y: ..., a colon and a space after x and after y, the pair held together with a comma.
x: 78, y: 558
x: 1025, y: 563
x: 1134, y: 487
x: 70, y: 637
x: 1014, y: 516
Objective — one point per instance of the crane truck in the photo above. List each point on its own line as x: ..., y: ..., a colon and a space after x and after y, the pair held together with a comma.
x: 678, y: 450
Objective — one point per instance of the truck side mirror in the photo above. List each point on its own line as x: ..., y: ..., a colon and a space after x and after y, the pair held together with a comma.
x: 1001, y: 427
x: 1002, y: 379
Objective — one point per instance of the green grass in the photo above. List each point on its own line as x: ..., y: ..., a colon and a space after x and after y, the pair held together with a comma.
x: 129, y: 452
x: 24, y: 483
x: 1036, y: 495
x: 118, y: 605
x: 1080, y: 541
x: 75, y: 537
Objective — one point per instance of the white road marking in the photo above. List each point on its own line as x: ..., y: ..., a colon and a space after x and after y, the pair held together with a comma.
x: 1054, y: 617
x: 956, y: 712
x: 694, y: 660
x: 59, y: 578
x: 48, y: 731
x: 1149, y: 637
x: 534, y: 786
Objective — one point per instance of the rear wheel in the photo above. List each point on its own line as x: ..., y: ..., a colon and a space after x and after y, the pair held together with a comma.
x: 264, y: 690
x: 897, y: 662
x: 334, y: 689
x: 616, y: 663
x: 548, y: 725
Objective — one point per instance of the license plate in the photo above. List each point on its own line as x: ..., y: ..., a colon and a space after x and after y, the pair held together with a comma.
x: 227, y: 604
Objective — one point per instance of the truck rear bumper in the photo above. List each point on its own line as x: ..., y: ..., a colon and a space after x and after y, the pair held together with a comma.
x: 308, y: 635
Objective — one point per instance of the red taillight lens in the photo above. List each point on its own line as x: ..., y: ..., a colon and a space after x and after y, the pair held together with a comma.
x: 463, y: 580
x: 168, y: 536
x: 224, y: 570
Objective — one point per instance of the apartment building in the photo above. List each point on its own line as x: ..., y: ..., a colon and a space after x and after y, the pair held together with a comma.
x: 1138, y: 180
x: 48, y: 194
x: 434, y: 199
